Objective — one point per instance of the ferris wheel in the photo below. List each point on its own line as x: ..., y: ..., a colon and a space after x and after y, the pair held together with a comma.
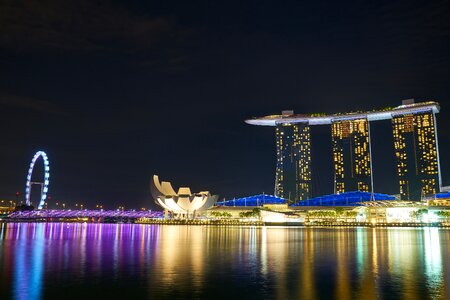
x: 43, y: 184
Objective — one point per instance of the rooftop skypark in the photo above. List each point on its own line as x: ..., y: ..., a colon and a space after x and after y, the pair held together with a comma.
x: 322, y: 119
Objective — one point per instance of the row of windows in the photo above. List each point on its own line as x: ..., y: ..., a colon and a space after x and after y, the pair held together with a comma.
x: 354, y: 133
x: 419, y: 128
x: 293, y: 150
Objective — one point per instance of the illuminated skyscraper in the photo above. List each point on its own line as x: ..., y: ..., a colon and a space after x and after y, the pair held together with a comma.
x: 415, y: 139
x: 416, y: 150
x: 351, y: 155
x: 293, y: 172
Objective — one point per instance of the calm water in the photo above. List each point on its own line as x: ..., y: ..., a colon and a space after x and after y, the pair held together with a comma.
x: 75, y: 261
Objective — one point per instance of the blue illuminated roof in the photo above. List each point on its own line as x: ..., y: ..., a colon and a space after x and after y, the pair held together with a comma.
x: 344, y: 199
x: 257, y: 200
x: 442, y: 195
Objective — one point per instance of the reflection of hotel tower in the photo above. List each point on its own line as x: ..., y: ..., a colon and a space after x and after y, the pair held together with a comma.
x: 415, y: 141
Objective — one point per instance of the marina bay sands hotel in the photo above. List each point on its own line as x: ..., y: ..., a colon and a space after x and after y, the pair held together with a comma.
x: 415, y: 143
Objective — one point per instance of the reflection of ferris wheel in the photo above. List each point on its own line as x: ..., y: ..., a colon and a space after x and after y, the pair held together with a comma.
x: 44, y: 184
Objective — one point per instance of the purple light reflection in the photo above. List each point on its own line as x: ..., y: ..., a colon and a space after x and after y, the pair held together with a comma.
x: 28, y: 263
x: 74, y: 252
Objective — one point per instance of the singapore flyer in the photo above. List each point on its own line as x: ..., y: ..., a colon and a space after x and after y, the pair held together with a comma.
x: 43, y: 184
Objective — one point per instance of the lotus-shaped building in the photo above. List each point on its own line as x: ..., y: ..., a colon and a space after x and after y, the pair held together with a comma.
x: 184, y: 203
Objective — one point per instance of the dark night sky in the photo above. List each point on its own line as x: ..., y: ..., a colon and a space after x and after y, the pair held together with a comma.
x: 115, y: 92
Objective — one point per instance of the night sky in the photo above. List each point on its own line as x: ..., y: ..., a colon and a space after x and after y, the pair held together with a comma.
x: 115, y: 92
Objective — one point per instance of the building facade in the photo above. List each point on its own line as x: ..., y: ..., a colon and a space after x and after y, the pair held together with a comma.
x: 293, y: 170
x: 351, y: 155
x: 416, y: 151
x: 415, y: 141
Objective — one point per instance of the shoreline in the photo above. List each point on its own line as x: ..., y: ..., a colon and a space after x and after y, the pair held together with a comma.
x: 226, y: 223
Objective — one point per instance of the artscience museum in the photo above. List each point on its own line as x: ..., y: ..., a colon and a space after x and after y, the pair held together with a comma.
x: 184, y: 203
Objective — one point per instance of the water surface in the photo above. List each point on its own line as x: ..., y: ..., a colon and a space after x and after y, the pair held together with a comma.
x: 124, y: 261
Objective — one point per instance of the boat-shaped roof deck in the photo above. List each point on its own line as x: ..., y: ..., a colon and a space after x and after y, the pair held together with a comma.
x: 323, y: 119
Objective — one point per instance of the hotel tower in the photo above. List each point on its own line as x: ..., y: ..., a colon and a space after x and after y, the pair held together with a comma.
x: 351, y: 155
x: 416, y: 150
x: 293, y: 170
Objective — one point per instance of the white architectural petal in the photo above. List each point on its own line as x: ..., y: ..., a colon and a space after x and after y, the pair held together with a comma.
x: 168, y: 189
x: 184, y: 191
x: 198, y: 202
x: 161, y: 203
x: 184, y: 202
x: 173, y: 206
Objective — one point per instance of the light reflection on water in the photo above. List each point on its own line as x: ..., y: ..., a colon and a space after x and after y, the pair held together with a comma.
x: 113, y: 261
